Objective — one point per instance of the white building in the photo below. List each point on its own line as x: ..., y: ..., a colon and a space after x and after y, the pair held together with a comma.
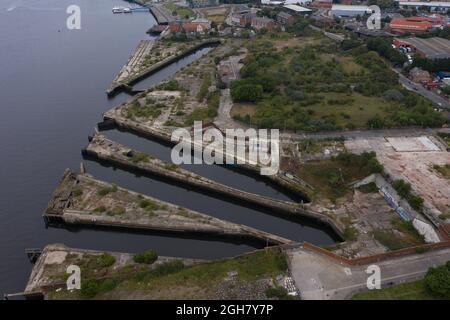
x: 341, y: 10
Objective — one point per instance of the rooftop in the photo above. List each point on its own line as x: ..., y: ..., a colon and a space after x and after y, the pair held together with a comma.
x: 296, y: 8
x: 433, y: 48
x: 349, y: 7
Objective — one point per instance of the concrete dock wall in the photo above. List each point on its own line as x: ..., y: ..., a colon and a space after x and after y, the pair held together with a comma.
x: 114, y: 116
x: 112, y: 152
x: 124, y: 86
x: 62, y: 209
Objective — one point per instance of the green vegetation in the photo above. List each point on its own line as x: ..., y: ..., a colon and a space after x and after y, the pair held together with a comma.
x: 278, y: 292
x: 205, y: 114
x: 150, y: 110
x: 172, y: 279
x: 105, y: 190
x: 444, y: 216
x: 403, y: 189
x: 405, y: 291
x: 384, y: 48
x: 350, y: 233
x: 100, y: 209
x: 182, y: 12
x: 139, y: 157
x: 77, y: 192
x: 444, y: 170
x: 369, y: 188
x: 148, y: 205
x: 435, y: 285
x: 445, y: 137
x: 203, y: 92
x: 393, y: 241
x: 116, y: 211
x: 147, y: 257
x: 437, y: 281
x: 171, y: 85
x: 332, y: 177
x: 431, y: 65
x: 321, y: 86
x: 105, y: 260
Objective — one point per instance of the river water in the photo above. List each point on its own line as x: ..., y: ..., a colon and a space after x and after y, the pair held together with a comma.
x: 52, y: 89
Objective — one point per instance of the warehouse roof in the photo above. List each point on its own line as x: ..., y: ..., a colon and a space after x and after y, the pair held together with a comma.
x: 433, y: 48
x: 349, y: 7
x: 425, y: 4
x: 296, y: 8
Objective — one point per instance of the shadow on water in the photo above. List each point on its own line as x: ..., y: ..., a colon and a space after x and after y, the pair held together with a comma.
x: 230, y: 175
x: 210, y: 237
x: 217, y: 205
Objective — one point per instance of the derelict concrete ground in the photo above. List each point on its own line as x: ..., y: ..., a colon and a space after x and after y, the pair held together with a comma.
x: 319, y: 277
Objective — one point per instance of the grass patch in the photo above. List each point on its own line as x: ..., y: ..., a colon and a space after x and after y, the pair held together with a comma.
x: 100, y: 209
x: 105, y: 190
x: 350, y: 234
x: 116, y: 211
x: 180, y: 11
x: 77, y: 192
x: 148, y: 204
x: 333, y: 177
x: 443, y: 170
x: 147, y: 111
x: 105, y: 260
x: 394, y: 242
x: 404, y: 291
x: 368, y: 188
x: 201, y: 279
x: 205, y: 114
x: 140, y: 157
x: 147, y: 257
x: 320, y: 86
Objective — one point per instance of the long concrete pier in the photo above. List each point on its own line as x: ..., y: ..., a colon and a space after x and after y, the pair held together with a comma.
x: 106, y: 150
x: 79, y: 199
x: 49, y: 271
x: 114, y: 117
x: 133, y: 71
x: 161, y: 15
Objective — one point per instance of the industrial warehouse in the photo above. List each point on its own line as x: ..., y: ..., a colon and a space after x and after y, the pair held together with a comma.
x: 431, y: 48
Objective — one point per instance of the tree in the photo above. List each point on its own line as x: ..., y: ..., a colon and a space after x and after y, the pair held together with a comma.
x: 437, y: 281
x: 244, y: 91
x: 403, y: 188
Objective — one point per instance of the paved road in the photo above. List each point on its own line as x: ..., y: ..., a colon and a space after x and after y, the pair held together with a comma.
x: 433, y: 97
x: 321, y: 278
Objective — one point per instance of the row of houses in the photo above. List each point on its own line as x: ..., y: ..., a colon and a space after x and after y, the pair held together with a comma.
x: 251, y: 19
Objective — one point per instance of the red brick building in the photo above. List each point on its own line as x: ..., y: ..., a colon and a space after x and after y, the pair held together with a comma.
x: 410, y: 24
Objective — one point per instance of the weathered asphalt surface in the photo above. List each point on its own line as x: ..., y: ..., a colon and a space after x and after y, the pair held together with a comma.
x: 321, y: 278
x: 433, y: 97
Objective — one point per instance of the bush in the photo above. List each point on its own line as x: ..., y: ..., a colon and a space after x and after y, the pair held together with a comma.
x: 89, y: 288
x: 105, y: 190
x: 350, y: 233
x: 147, y: 257
x: 416, y: 202
x: 437, y: 281
x: 403, y: 188
x: 148, y: 204
x: 277, y: 292
x: 100, y: 209
x: 105, y: 260
x: 242, y: 91
x: 77, y: 192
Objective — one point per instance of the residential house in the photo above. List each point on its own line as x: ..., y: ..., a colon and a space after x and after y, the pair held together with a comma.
x: 285, y: 19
